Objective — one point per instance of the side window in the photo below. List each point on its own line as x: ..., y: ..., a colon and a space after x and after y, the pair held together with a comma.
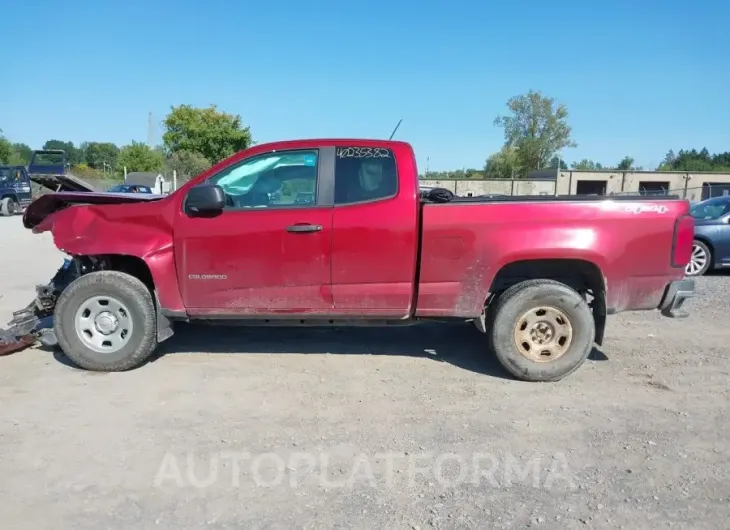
x: 279, y: 179
x: 364, y: 174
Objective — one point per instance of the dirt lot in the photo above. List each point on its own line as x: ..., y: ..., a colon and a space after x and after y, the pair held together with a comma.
x: 399, y: 428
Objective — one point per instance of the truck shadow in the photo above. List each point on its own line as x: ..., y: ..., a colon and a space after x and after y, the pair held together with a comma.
x: 459, y: 344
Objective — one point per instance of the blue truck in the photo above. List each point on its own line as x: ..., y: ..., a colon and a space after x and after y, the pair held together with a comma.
x: 15, y: 190
x: 47, y: 168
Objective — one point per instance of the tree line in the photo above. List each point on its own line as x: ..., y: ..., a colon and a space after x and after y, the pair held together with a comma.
x: 192, y: 141
x: 536, y: 133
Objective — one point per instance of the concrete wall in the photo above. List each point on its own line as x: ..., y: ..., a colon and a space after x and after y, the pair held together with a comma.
x: 496, y: 186
x: 688, y: 185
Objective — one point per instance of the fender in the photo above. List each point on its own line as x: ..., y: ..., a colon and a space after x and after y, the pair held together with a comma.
x: 561, y: 246
x: 140, y: 229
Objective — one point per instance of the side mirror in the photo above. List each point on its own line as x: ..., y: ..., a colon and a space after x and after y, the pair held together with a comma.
x: 205, y: 198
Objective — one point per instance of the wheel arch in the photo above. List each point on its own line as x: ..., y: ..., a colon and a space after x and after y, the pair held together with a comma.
x: 707, y: 241
x: 582, y: 275
x: 139, y: 268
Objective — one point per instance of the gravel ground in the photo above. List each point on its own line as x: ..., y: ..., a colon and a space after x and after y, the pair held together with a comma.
x: 396, y: 428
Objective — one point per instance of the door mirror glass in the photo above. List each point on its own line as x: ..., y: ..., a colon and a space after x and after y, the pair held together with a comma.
x: 205, y: 198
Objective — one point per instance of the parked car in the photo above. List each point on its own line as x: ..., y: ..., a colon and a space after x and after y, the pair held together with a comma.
x: 711, y: 245
x: 538, y: 274
x: 129, y: 188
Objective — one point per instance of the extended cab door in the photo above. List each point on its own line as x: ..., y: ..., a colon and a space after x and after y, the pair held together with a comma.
x: 375, y: 230
x: 269, y: 252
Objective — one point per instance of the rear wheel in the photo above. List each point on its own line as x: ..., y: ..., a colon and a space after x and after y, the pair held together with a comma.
x: 8, y: 206
x: 541, y: 330
x: 106, y: 321
x: 700, y: 260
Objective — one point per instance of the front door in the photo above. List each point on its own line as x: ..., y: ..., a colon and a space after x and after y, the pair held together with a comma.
x: 22, y: 186
x: 269, y: 251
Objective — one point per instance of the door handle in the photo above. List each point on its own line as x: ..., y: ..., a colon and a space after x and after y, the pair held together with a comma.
x: 299, y: 229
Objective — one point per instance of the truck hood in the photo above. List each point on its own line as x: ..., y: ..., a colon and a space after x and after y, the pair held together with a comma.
x: 61, y: 182
x: 46, y: 205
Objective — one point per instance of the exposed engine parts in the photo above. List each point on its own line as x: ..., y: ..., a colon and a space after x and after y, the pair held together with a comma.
x: 34, y: 322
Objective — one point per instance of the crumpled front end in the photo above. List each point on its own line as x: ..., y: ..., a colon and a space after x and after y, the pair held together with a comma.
x: 35, y: 322
x: 99, y: 231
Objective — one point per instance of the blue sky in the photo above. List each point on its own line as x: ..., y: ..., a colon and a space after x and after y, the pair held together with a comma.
x: 639, y: 77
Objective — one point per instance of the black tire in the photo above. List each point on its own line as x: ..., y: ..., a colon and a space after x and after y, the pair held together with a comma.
x: 136, y: 298
x: 508, y: 309
x: 8, y: 206
x: 702, y: 247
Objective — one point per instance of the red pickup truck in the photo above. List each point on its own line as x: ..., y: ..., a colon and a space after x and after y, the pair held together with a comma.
x: 336, y: 232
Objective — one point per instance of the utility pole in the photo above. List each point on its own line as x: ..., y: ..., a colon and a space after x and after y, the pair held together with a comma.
x: 150, y: 131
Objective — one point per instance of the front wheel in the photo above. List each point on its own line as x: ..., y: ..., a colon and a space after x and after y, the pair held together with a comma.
x: 8, y: 207
x: 106, y: 321
x: 700, y: 260
x: 541, y: 330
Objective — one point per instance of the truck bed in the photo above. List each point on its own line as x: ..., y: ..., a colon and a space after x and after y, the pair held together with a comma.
x: 468, y: 241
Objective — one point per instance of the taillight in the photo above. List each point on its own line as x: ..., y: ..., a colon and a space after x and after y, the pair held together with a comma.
x: 684, y: 234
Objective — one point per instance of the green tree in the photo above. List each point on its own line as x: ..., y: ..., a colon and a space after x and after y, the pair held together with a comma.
x: 21, y: 154
x: 73, y: 154
x: 627, y: 164
x: 213, y: 134
x: 187, y: 164
x: 504, y: 164
x: 100, y: 154
x: 694, y: 160
x: 138, y: 156
x: 6, y: 149
x: 537, y: 128
x: 554, y: 163
x: 587, y: 165
x: 669, y: 161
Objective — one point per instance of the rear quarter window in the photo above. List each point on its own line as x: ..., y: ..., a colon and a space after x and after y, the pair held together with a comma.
x: 364, y: 174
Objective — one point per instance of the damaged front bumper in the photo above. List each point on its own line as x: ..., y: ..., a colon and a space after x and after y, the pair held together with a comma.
x: 27, y: 327
x: 34, y: 323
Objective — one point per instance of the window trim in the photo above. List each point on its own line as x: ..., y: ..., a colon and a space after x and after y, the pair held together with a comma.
x: 368, y: 201
x: 324, y: 184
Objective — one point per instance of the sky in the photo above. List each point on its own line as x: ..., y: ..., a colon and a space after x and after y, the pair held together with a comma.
x: 638, y: 77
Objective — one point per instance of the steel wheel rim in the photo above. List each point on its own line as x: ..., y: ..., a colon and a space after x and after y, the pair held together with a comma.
x: 103, y: 324
x: 697, y: 261
x: 543, y: 334
x: 11, y: 207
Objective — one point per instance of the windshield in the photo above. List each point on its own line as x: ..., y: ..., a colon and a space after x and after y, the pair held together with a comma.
x: 711, y: 208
